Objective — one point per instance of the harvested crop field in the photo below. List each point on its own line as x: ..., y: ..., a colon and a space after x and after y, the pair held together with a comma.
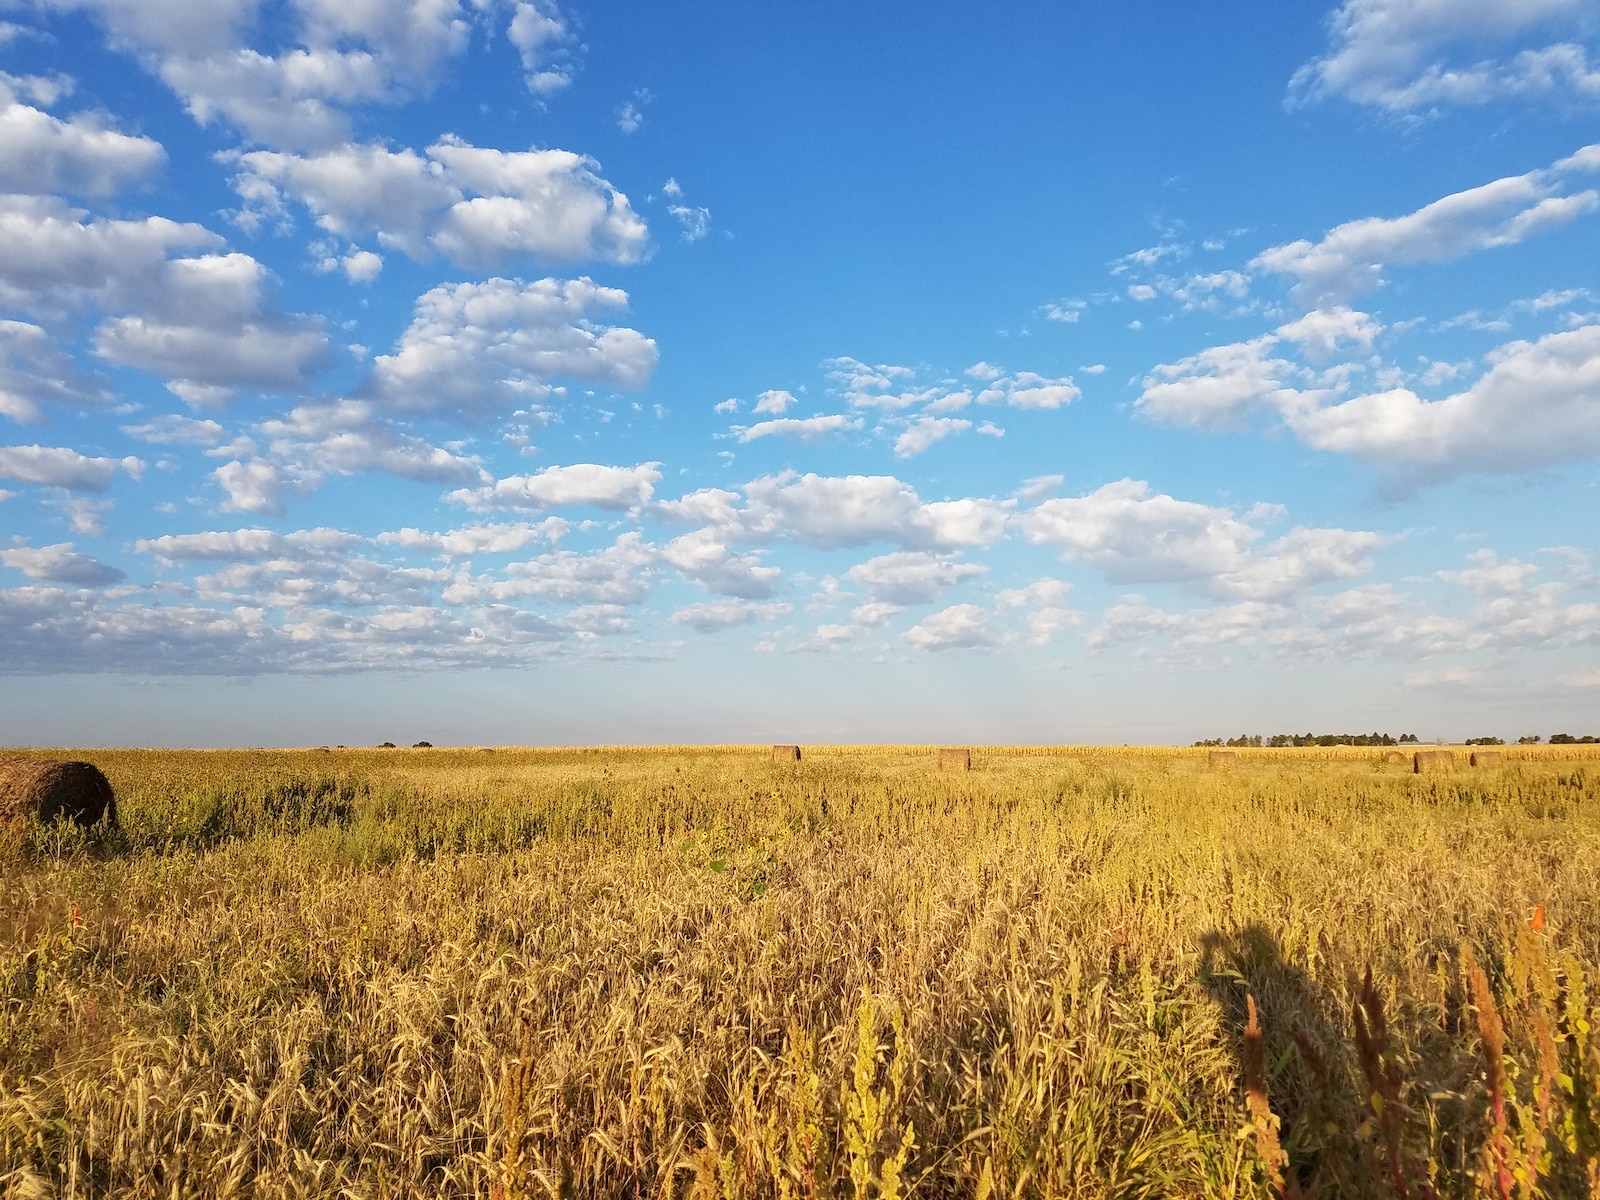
x: 701, y: 972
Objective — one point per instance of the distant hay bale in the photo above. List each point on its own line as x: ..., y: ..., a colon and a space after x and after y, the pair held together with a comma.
x: 47, y: 790
x: 955, y: 759
x: 1221, y: 758
x: 786, y: 754
x: 1396, y: 756
x: 1424, y: 761
x: 1486, y: 758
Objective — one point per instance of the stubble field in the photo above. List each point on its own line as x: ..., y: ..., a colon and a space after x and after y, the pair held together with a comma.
x: 699, y: 973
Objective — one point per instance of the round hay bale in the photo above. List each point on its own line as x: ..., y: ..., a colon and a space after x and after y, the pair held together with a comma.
x: 955, y: 759
x: 1424, y: 761
x: 1486, y: 758
x: 77, y: 791
x: 1221, y: 759
x: 1396, y: 756
x: 786, y: 754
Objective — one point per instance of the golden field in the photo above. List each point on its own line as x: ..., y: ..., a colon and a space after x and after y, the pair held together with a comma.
x: 695, y: 972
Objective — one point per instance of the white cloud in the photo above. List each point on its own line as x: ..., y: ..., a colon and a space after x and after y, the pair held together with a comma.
x: 798, y: 429
x: 622, y: 573
x: 875, y: 614
x: 541, y: 35
x: 208, y: 324
x: 58, y: 466
x: 925, y: 431
x: 348, y: 436
x: 1491, y: 577
x: 774, y: 402
x: 53, y: 260
x: 258, y: 486
x: 45, y: 155
x: 629, y: 117
x: 1537, y: 405
x: 1351, y: 258
x: 1028, y: 390
x: 725, y: 614
x: 173, y: 430
x: 339, y: 55
x: 1403, y: 56
x: 60, y: 564
x: 1133, y: 536
x: 704, y: 557
x: 694, y: 221
x: 470, y: 540
x: 615, y: 488
x: 361, y: 266
x: 911, y: 577
x: 960, y: 627
x: 481, y: 208
x: 857, y: 510
x: 35, y: 372
x: 480, y: 345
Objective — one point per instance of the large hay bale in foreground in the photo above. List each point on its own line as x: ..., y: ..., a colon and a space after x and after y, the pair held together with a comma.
x: 1221, y: 758
x: 1486, y: 758
x: 38, y: 788
x: 1424, y: 761
x: 955, y: 759
x: 786, y: 754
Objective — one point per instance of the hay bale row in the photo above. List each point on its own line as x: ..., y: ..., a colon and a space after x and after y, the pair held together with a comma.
x: 1424, y: 761
x: 785, y: 754
x: 955, y: 759
x: 45, y: 790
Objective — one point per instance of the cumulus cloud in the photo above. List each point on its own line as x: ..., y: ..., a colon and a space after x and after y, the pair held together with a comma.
x: 774, y: 402
x: 725, y: 614
x: 925, y: 431
x: 1537, y: 405
x: 60, y: 564
x: 1351, y: 258
x: 171, y: 429
x: 258, y: 486
x: 616, y: 488
x: 798, y: 429
x: 960, y: 627
x: 1403, y: 57
x: 58, y: 466
x: 338, y: 55
x: 911, y: 577
x: 621, y: 574
x: 349, y: 436
x: 480, y: 208
x: 470, y: 540
x: 895, y: 388
x: 46, y: 155
x: 34, y: 372
x: 857, y: 510
x: 480, y: 345
x: 207, y: 323
x: 1134, y: 536
x: 704, y: 557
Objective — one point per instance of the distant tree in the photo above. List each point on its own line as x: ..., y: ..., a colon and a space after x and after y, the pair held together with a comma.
x: 422, y: 746
x: 1409, y: 739
x: 1485, y: 741
x: 1532, y: 739
x: 385, y: 745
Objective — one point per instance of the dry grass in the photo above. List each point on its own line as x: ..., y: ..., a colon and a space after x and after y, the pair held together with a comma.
x: 695, y: 973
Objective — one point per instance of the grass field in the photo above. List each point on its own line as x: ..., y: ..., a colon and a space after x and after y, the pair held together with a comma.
x: 697, y: 973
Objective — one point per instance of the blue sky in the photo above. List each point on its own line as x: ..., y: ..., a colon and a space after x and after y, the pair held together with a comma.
x: 494, y: 371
